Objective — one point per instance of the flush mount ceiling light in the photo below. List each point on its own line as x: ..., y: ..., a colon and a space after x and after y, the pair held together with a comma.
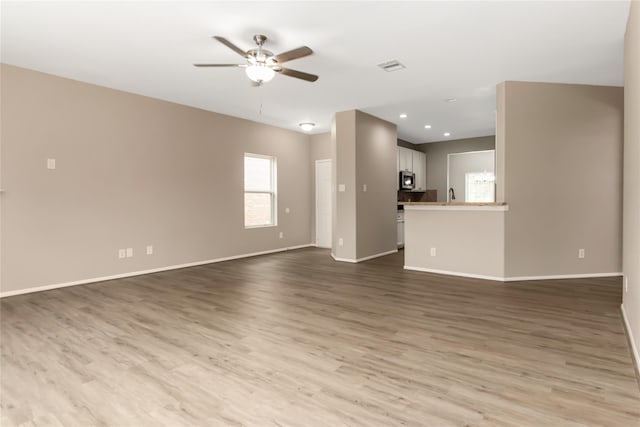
x: 307, y: 126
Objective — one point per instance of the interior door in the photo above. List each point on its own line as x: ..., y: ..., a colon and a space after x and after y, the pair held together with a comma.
x: 323, y: 203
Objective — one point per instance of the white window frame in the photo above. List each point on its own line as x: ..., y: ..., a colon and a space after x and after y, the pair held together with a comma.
x: 273, y: 192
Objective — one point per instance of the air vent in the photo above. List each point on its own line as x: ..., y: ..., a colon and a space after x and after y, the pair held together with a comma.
x: 393, y: 65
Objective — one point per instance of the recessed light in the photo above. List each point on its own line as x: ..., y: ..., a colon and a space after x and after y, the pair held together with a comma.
x: 307, y: 126
x: 451, y: 99
x: 427, y: 126
x: 403, y: 116
x: 446, y: 134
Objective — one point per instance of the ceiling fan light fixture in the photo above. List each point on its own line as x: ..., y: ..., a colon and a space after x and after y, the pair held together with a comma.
x: 307, y: 126
x: 260, y: 72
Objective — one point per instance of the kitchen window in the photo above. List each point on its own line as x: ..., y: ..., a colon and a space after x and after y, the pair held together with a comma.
x: 259, y: 191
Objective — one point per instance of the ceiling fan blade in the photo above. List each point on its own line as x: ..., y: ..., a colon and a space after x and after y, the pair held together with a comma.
x: 231, y: 46
x: 295, y: 73
x: 292, y: 54
x: 219, y: 65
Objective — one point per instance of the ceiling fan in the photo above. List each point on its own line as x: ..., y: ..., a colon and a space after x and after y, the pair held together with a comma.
x: 262, y: 65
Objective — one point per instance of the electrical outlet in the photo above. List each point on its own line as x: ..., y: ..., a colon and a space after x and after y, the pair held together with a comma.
x: 51, y: 163
x: 149, y: 250
x: 122, y: 253
x: 340, y: 241
x: 129, y: 252
x: 580, y: 253
x: 281, y: 235
x: 287, y: 210
x: 433, y: 251
x: 342, y: 188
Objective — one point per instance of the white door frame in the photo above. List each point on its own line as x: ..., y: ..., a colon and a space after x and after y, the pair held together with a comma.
x: 465, y: 152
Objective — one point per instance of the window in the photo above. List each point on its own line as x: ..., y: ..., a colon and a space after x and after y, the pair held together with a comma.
x: 259, y: 190
x: 480, y: 187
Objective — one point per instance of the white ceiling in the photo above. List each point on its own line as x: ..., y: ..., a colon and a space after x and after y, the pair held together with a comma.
x: 451, y: 50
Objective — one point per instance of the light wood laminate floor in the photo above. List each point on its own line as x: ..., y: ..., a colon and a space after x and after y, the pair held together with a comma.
x: 295, y: 339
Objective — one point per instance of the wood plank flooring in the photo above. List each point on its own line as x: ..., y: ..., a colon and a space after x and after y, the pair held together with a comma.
x: 295, y: 339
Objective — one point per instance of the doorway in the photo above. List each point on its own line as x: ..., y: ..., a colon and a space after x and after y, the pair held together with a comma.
x: 471, y: 176
x: 323, y: 203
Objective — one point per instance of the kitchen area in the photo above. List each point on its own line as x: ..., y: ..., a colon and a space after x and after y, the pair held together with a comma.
x: 411, y: 184
x: 459, y: 229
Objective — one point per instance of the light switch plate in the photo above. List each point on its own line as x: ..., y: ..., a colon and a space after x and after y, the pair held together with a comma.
x: 51, y: 163
x: 342, y: 188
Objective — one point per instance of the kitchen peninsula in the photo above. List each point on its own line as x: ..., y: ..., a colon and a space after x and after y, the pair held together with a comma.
x: 461, y: 239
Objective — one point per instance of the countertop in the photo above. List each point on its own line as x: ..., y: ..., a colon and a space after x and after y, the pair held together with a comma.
x: 452, y: 204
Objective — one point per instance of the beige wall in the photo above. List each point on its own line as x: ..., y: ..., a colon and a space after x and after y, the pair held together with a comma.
x: 363, y: 152
x: 631, y: 239
x: 376, y: 154
x: 467, y: 242
x: 131, y: 171
x: 563, y: 157
x: 343, y: 155
x: 437, y: 153
x: 500, y: 142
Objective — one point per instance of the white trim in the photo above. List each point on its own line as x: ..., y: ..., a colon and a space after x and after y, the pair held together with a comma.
x: 377, y: 255
x: 466, y: 152
x: 511, y: 279
x: 561, y: 276
x: 335, y: 258
x: 634, y: 347
x: 351, y: 260
x: 493, y: 208
x: 454, y: 273
x: 141, y: 272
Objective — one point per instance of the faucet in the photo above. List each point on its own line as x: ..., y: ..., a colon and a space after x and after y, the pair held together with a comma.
x: 452, y: 195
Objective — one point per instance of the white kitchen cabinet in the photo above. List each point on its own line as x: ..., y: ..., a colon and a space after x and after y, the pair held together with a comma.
x: 419, y: 162
x: 400, y: 222
x: 412, y: 161
x: 405, y: 159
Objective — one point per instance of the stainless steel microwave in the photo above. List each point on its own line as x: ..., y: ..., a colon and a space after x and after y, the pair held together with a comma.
x: 407, y: 180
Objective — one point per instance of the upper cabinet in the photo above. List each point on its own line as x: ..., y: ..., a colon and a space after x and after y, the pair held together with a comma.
x: 416, y: 162
x: 405, y: 159
x: 420, y: 169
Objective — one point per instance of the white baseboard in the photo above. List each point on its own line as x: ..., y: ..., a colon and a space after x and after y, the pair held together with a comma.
x: 454, y: 273
x: 141, y: 272
x: 561, y: 276
x: 634, y: 346
x: 352, y: 260
x: 511, y: 279
x: 335, y: 258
